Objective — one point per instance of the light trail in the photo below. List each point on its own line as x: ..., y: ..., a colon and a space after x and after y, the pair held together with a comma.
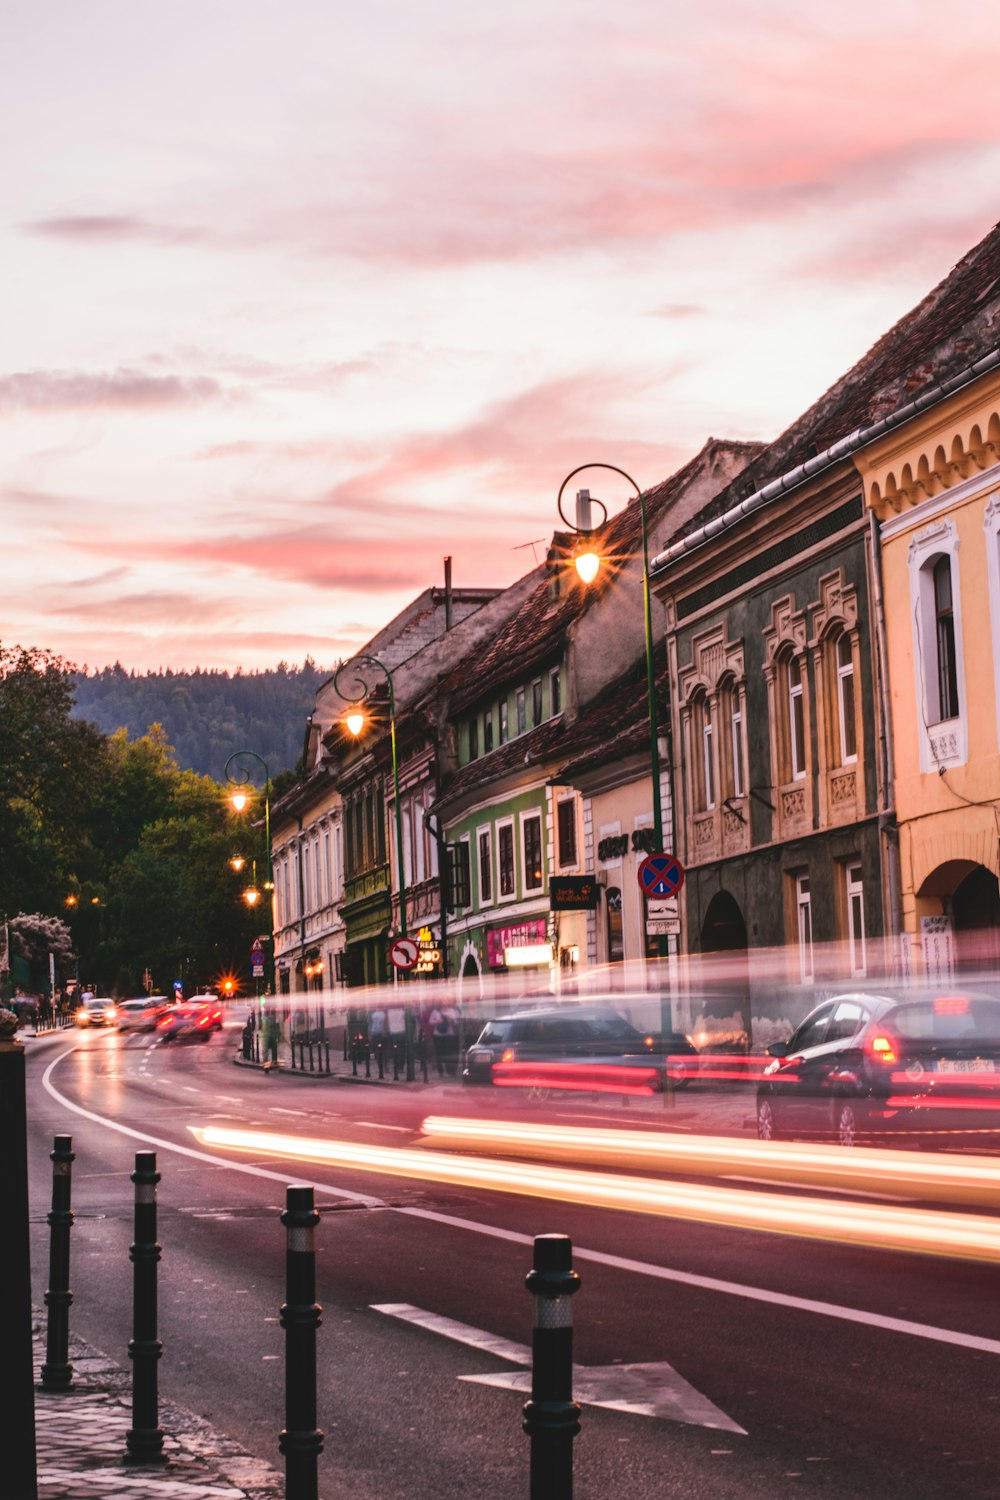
x: 964, y: 1236
x: 949, y: 1179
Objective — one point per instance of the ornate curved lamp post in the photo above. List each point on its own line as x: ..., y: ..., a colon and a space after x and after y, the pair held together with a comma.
x: 238, y: 776
x: 588, y: 562
x: 350, y: 683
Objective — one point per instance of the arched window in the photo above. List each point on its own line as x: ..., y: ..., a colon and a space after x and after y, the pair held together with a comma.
x: 731, y: 756
x: 703, y: 756
x: 944, y: 640
x: 846, y: 710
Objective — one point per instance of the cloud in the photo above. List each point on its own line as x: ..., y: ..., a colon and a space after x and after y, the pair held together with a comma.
x: 678, y: 310
x: 103, y: 229
x: 45, y: 391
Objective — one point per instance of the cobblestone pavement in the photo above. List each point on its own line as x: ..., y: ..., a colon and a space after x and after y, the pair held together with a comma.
x: 80, y: 1443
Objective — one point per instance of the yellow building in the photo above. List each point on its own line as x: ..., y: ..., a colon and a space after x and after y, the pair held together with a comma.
x: 933, y: 483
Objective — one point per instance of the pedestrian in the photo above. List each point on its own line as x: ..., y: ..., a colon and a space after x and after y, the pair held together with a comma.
x: 272, y: 1034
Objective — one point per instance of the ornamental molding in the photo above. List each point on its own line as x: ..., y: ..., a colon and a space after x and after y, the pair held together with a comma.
x: 787, y: 630
x: 836, y: 607
x: 713, y: 659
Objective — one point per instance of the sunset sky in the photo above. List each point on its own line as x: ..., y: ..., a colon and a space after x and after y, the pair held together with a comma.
x: 299, y: 297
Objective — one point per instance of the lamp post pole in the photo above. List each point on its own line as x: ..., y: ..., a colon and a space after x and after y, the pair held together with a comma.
x: 239, y: 777
x: 583, y: 527
x: 355, y: 723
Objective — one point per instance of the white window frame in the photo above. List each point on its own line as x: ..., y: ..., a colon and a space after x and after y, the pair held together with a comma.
x: 502, y: 895
x: 855, y: 891
x: 845, y: 685
x: 736, y: 733
x: 707, y: 763
x: 525, y: 818
x: 804, y: 928
x: 485, y: 901
x: 943, y: 742
x: 797, y: 761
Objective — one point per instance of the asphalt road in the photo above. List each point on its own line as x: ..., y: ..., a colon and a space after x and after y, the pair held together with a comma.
x: 832, y: 1400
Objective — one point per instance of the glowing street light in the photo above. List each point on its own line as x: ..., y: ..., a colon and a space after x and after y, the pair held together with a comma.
x: 238, y: 777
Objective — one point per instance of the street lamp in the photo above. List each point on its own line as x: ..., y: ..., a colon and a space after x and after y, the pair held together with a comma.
x: 355, y: 720
x: 238, y: 776
x: 587, y: 560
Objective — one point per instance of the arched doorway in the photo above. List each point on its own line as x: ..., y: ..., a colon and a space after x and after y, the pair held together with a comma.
x: 726, y: 979
x: 975, y: 908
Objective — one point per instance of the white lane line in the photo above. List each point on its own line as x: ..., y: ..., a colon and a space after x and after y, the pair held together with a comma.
x: 812, y: 1187
x: 730, y: 1288
x: 645, y: 1390
x: 277, y: 1110
x: 376, y: 1125
x: 597, y: 1257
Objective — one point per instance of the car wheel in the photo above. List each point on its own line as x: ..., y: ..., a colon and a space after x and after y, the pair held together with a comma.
x: 767, y: 1129
x: 845, y: 1122
x: 680, y: 1075
x: 538, y: 1094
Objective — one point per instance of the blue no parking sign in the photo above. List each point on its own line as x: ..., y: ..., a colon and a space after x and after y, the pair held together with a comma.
x: 660, y: 875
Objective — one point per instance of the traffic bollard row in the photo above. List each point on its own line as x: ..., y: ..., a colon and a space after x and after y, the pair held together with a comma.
x: 301, y: 1441
x: 552, y: 1417
x: 144, y: 1439
x: 57, y: 1372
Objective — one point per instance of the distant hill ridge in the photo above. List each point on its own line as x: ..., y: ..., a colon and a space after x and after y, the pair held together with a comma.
x: 207, y: 714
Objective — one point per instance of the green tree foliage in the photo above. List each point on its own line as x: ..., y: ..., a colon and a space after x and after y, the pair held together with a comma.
x: 207, y: 715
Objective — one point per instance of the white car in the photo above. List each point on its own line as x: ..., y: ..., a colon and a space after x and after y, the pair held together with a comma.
x: 142, y: 1013
x: 96, y: 1012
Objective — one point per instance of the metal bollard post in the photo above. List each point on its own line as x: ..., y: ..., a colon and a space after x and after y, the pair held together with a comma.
x: 423, y: 1058
x: 552, y: 1417
x: 381, y: 1061
x: 354, y: 1058
x: 144, y: 1439
x: 395, y: 1062
x: 312, y: 1065
x: 57, y: 1372
x: 301, y: 1441
x: 669, y: 1095
x: 327, y: 1046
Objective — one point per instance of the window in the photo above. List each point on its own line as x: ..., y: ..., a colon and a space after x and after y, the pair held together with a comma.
x: 531, y: 835
x: 536, y: 701
x: 503, y: 722
x: 707, y: 764
x: 566, y: 830
x: 848, y: 1019
x: 460, y: 883
x: 505, y: 855
x: 856, y: 917
x: 488, y: 731
x: 485, y: 868
x: 616, y: 941
x: 555, y: 693
x: 796, y: 719
x: 803, y: 912
x: 473, y: 738
x: 738, y: 778
x: 845, y: 700
x: 813, y: 1031
x: 522, y: 711
x: 945, y: 663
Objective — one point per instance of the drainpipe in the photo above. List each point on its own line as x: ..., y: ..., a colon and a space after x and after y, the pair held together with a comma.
x: 892, y: 904
x: 447, y: 593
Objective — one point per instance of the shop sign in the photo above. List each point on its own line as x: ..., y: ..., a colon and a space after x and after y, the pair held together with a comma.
x: 501, y: 940
x: 573, y: 892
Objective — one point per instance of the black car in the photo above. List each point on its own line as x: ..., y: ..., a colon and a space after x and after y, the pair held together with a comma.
x: 565, y: 1035
x: 863, y: 1066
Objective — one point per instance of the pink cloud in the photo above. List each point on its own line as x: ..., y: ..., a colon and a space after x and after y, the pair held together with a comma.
x: 44, y: 391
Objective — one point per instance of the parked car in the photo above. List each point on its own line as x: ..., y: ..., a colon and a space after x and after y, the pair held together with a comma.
x: 93, y: 1011
x: 862, y: 1067
x: 569, y: 1034
x: 142, y: 1013
x: 192, y: 1020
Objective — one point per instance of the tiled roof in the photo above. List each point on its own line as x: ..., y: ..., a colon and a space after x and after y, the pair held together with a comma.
x: 953, y: 326
x: 616, y: 725
x: 541, y: 744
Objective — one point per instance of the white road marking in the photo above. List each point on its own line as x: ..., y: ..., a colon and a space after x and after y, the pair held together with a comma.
x: 616, y: 1262
x: 377, y: 1125
x: 646, y: 1390
x: 277, y: 1110
x: 811, y: 1187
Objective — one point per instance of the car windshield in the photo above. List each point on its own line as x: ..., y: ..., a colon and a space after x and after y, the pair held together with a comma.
x: 494, y: 1034
x: 949, y: 1018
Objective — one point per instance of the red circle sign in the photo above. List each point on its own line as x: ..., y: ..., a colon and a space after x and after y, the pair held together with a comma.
x: 660, y: 875
x: 403, y: 953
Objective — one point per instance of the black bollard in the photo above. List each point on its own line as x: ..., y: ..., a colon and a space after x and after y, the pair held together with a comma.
x: 552, y: 1417
x: 354, y: 1058
x: 423, y: 1058
x: 381, y: 1061
x: 301, y: 1441
x: 312, y: 1065
x: 16, y: 1375
x: 57, y: 1372
x: 395, y: 1062
x: 326, y: 1046
x: 368, y: 1058
x: 144, y: 1439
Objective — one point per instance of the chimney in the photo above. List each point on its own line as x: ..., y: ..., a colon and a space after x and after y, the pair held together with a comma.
x: 447, y: 593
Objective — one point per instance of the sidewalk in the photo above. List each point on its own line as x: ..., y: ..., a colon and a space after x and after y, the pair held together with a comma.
x: 80, y: 1442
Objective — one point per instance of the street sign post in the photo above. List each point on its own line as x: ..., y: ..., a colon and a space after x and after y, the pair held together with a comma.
x: 404, y: 953
x: 660, y: 875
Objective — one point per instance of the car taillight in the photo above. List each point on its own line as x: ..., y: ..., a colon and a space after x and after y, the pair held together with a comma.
x: 508, y: 1054
x: 883, y: 1048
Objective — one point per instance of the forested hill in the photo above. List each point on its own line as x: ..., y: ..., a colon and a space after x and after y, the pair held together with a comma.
x: 207, y: 714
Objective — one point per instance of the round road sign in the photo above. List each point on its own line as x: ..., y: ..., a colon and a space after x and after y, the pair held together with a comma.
x: 660, y: 875
x: 403, y: 953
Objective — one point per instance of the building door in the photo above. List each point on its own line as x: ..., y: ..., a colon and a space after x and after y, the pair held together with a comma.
x: 726, y: 989
x: 976, y: 917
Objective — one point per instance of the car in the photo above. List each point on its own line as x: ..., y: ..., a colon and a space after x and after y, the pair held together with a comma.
x: 94, y: 1011
x: 192, y: 1020
x: 862, y: 1068
x: 562, y: 1036
x: 142, y: 1013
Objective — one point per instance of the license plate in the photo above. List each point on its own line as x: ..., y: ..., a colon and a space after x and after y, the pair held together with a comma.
x: 966, y: 1065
